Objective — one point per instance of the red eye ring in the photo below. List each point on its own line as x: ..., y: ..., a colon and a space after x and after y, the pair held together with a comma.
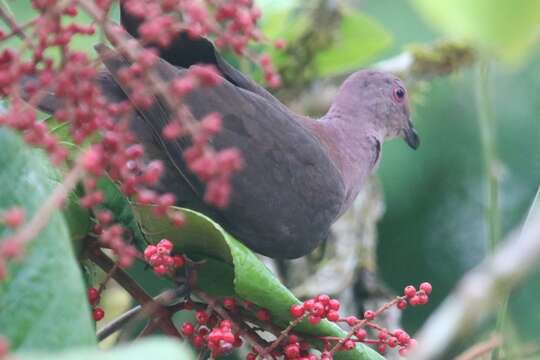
x: 399, y: 94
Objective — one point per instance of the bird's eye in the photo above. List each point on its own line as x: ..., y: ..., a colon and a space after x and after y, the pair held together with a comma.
x: 399, y: 94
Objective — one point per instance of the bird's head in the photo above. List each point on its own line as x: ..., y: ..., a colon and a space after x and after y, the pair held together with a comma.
x: 381, y: 99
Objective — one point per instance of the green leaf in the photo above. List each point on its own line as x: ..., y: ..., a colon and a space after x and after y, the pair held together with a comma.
x: 507, y: 28
x: 360, y: 39
x: 43, y: 301
x: 120, y: 206
x: 151, y: 348
x: 228, y: 260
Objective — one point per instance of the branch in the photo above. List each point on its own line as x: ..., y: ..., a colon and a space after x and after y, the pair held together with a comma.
x: 481, y: 290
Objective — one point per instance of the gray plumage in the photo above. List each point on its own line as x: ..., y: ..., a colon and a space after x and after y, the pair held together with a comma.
x: 300, y: 174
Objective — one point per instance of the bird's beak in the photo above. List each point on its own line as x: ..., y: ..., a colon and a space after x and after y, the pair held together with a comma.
x: 411, y: 136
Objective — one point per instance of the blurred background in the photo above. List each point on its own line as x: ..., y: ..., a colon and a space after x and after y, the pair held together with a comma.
x: 434, y: 227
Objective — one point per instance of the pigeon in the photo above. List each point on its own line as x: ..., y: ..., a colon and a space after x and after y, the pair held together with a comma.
x: 300, y: 174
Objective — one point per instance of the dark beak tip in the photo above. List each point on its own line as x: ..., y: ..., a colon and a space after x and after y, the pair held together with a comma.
x: 412, y: 139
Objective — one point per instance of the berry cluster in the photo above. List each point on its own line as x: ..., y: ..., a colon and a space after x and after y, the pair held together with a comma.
x: 160, y: 258
x: 99, y: 127
x: 219, y: 339
x: 94, y: 297
x: 323, y: 307
x: 415, y: 297
x: 318, y: 308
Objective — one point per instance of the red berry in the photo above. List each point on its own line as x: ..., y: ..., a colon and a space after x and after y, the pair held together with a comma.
x: 198, y: 341
x: 334, y: 304
x: 323, y: 299
x: 187, y: 328
x: 314, y: 320
x: 382, y: 335
x: 178, y: 261
x: 318, y: 309
x: 351, y: 320
x: 149, y: 251
x: 392, y: 342
x: 93, y: 296
x: 251, y: 356
x: 229, y: 303
x: 332, y: 315
x: 415, y: 300
x: 292, y: 339
x: 98, y: 314
x: 423, y: 299
x: 165, y: 245
x: 201, y: 316
x: 409, y: 291
x: 360, y: 334
x: 14, y: 217
x: 348, y: 344
x: 308, y: 304
x: 369, y: 315
x: 297, y: 310
x: 263, y: 315
x: 402, y: 304
x: 292, y: 351
x: 381, y: 348
x: 426, y: 287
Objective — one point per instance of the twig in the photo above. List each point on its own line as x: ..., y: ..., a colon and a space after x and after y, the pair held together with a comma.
x: 149, y: 305
x: 479, y: 292
x: 362, y: 323
x: 250, y: 338
x: 481, y: 349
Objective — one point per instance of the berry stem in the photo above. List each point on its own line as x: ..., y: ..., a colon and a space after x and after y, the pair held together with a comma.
x: 363, y: 322
x: 162, y: 314
x: 252, y: 339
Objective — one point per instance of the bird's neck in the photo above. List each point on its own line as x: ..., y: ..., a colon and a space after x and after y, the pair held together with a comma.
x: 352, y: 144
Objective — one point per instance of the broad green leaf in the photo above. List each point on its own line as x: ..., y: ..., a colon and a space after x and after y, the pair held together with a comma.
x: 508, y: 28
x: 43, y: 302
x: 151, y: 348
x: 251, y: 280
x: 360, y: 39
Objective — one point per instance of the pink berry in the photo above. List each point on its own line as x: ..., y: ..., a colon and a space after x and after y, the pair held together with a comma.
x: 98, y: 314
x: 318, y: 309
x: 348, y: 344
x: 402, y: 304
x: 332, y: 315
x: 187, y: 328
x: 263, y: 315
x: 93, y: 296
x: 415, y: 300
x: 426, y: 287
x: 334, y: 304
x: 409, y: 291
x: 292, y: 351
x: 229, y: 303
x: 324, y: 299
x: 14, y: 217
x: 202, y: 317
x: 351, y: 320
x: 360, y: 334
x: 369, y: 315
x: 297, y: 310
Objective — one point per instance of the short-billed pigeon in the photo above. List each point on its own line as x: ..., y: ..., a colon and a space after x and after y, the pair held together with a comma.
x: 300, y: 174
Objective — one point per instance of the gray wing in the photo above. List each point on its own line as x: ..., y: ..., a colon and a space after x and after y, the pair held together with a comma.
x: 288, y: 194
